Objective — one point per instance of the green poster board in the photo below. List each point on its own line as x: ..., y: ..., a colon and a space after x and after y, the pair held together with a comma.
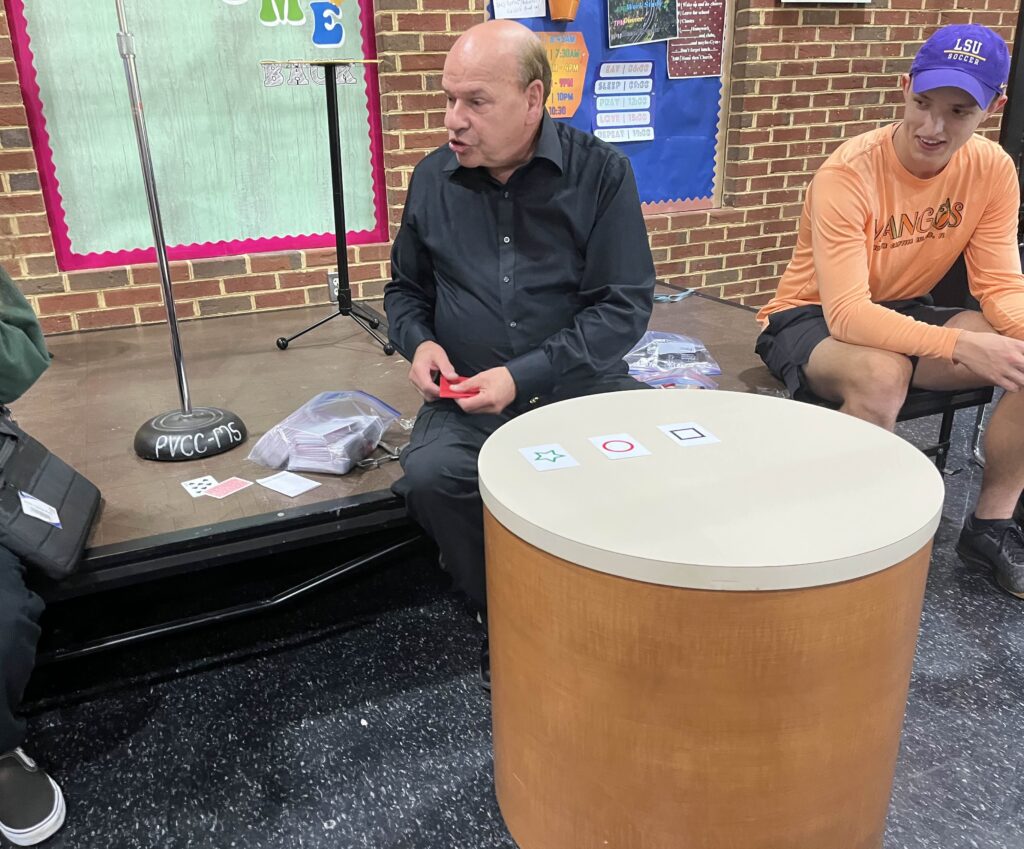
x: 239, y: 149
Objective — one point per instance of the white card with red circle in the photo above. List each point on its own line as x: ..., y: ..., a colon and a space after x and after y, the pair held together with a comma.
x: 619, y: 446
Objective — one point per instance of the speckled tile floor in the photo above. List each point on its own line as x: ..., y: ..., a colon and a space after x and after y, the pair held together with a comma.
x: 376, y: 735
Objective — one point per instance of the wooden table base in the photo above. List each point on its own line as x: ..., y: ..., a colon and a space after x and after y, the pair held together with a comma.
x: 630, y: 715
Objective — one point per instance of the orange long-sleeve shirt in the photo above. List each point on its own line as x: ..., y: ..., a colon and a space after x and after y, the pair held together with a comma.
x: 870, y: 231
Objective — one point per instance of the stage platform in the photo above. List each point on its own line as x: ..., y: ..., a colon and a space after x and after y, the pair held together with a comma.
x: 102, y: 385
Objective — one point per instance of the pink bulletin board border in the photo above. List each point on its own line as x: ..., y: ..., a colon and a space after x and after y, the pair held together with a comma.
x: 68, y: 260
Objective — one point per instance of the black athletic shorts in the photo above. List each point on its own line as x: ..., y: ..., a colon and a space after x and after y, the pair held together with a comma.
x: 786, y: 343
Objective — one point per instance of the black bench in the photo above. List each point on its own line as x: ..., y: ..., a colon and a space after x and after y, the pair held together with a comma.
x: 921, y: 403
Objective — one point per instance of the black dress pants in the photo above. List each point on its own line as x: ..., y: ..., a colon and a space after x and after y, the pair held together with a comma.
x: 20, y: 609
x: 440, y: 486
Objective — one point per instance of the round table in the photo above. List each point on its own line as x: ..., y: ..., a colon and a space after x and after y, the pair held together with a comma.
x: 703, y: 608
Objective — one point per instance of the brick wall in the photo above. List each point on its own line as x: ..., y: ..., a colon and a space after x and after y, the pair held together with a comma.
x: 803, y: 79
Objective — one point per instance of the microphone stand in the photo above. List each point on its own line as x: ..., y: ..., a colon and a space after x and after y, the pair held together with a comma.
x: 190, y: 433
x: 365, y: 317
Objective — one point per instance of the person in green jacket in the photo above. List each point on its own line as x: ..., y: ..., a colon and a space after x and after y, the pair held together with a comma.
x: 23, y: 354
x: 31, y: 804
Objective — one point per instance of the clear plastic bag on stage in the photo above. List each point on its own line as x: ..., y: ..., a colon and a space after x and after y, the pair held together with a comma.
x: 331, y: 432
x: 672, y: 360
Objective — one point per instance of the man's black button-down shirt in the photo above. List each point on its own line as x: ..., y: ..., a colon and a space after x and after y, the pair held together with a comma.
x: 549, y: 274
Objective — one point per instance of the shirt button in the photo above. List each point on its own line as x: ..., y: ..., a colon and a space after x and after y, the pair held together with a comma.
x: 512, y: 324
x: 506, y: 240
x: 506, y: 195
x: 505, y: 279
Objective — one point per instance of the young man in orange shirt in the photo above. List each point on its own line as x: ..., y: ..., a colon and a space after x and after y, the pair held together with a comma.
x: 884, y: 219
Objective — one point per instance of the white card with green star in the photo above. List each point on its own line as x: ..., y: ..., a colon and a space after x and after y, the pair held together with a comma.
x: 550, y: 456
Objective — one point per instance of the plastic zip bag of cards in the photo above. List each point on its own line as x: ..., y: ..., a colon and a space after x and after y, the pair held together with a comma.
x: 671, y: 359
x: 332, y: 433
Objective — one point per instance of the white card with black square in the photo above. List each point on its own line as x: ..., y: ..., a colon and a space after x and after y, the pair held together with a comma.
x: 688, y: 434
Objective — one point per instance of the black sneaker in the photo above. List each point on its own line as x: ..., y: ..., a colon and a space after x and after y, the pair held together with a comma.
x: 31, y: 804
x: 1000, y: 547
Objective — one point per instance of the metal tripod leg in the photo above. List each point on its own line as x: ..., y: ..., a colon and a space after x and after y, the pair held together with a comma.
x: 368, y: 324
x: 283, y: 341
x: 365, y: 318
x: 976, y: 451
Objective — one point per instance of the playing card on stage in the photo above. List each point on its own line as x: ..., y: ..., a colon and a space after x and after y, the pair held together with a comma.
x: 226, y: 488
x: 288, y: 484
x: 198, y: 486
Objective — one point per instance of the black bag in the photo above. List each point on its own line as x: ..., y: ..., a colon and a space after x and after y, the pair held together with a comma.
x: 27, y: 466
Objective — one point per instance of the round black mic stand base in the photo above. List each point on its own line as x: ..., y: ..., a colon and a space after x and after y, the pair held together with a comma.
x: 176, y: 436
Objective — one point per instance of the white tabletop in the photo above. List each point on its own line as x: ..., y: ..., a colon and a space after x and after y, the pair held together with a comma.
x: 791, y: 495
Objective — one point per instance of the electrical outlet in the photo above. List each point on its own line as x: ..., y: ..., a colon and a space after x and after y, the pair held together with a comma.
x: 332, y: 286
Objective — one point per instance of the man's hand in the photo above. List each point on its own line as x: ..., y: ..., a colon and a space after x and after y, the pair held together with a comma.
x: 428, y: 361
x: 998, y: 359
x: 495, y: 390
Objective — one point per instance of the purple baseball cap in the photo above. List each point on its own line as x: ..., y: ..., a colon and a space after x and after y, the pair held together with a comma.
x: 965, y: 56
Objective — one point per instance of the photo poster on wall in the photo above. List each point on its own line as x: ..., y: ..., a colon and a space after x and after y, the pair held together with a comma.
x: 239, y: 149
x: 674, y: 152
x: 641, y: 21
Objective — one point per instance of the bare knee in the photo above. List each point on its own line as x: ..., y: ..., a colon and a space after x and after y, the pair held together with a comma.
x: 876, y: 388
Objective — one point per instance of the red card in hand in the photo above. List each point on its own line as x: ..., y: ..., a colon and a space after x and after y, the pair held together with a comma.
x: 446, y: 390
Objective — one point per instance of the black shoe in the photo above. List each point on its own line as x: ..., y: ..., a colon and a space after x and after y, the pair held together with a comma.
x: 1000, y: 547
x: 31, y: 804
x: 485, y: 665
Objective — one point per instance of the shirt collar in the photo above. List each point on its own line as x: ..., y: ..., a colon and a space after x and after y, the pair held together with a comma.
x: 549, y: 147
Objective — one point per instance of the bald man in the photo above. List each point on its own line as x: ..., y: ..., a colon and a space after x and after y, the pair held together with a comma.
x: 521, y: 273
